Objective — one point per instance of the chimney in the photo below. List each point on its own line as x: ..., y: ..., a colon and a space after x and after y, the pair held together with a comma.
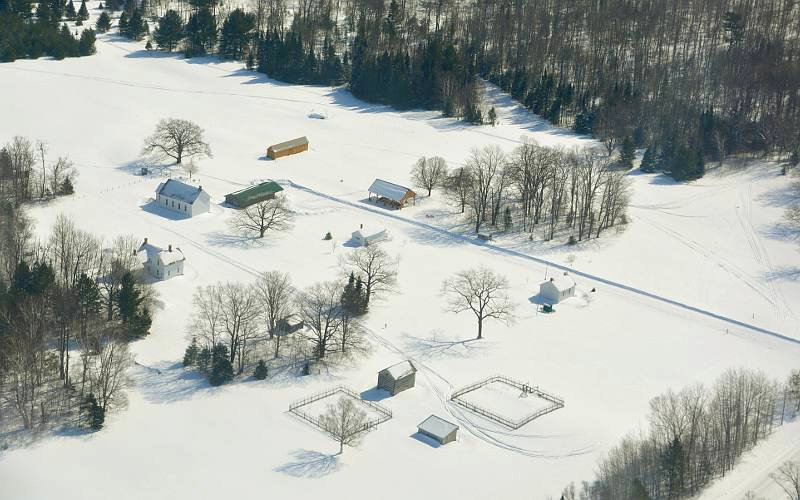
x: 145, y: 241
x: 551, y: 278
x: 200, y: 188
x: 566, y: 273
x: 362, y: 226
x: 169, y: 248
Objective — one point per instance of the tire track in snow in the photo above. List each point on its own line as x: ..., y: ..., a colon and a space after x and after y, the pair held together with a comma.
x: 539, y: 260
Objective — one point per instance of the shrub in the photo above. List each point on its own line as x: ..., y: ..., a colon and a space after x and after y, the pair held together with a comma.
x: 261, y: 370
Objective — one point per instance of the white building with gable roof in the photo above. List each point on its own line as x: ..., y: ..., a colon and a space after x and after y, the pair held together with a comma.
x: 160, y: 263
x: 183, y: 198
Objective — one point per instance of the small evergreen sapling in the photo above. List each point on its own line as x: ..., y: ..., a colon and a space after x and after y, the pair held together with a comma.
x: 648, y: 163
x: 103, y: 23
x: 627, y: 153
x: 261, y: 370
x: 191, y: 353
x: 83, y: 12
x: 221, y: 369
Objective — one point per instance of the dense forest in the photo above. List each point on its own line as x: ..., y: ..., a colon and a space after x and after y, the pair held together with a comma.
x: 29, y: 31
x: 694, y: 81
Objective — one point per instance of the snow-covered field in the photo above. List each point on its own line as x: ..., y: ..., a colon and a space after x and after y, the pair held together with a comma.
x: 715, y: 245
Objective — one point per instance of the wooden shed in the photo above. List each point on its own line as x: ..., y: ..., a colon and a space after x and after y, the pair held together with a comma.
x: 397, y: 378
x: 288, y: 148
x: 253, y: 194
x: 438, y: 429
x: 391, y: 194
x: 289, y: 324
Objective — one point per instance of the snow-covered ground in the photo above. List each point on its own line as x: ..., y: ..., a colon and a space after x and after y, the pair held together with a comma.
x: 716, y: 245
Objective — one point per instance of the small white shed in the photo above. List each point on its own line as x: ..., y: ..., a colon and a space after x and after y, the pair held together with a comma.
x: 439, y: 429
x: 161, y: 263
x: 365, y: 237
x: 183, y: 198
x: 557, y: 289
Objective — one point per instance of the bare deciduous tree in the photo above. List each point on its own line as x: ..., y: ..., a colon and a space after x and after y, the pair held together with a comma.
x: 109, y: 377
x: 481, y: 291
x: 177, y: 139
x: 788, y: 478
x: 191, y: 168
x: 318, y: 307
x: 273, y: 214
x: 377, y: 269
x: 344, y: 422
x: 276, y: 297
x: 429, y: 173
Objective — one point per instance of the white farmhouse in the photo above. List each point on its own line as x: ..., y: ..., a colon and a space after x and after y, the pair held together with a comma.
x: 365, y: 237
x: 557, y: 289
x: 183, y: 198
x: 160, y: 263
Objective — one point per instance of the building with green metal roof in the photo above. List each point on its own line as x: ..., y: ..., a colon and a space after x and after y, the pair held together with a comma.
x: 253, y: 194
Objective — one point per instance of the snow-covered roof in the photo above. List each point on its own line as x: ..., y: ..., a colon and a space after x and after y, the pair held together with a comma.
x: 394, y: 192
x: 148, y: 252
x: 367, y: 233
x: 437, y: 427
x: 400, y: 370
x: 289, y: 144
x: 180, y: 191
x: 561, y: 283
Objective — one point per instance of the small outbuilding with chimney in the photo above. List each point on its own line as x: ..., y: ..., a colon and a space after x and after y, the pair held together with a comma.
x: 557, y: 289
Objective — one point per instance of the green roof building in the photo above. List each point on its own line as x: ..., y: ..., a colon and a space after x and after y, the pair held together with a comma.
x: 253, y: 194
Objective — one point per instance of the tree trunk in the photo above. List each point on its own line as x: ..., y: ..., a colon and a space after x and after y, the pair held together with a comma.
x: 480, y: 328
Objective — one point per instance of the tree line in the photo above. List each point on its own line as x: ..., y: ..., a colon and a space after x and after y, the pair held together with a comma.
x: 693, y: 82
x: 579, y: 192
x: 26, y: 33
x: 239, y: 327
x: 26, y: 173
x: 69, y: 305
x: 695, y: 435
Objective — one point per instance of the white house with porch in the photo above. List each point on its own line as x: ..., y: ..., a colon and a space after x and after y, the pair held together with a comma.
x: 160, y: 263
x: 183, y: 198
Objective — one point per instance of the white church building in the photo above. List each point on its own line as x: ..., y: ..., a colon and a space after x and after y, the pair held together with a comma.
x: 183, y: 198
x: 160, y: 263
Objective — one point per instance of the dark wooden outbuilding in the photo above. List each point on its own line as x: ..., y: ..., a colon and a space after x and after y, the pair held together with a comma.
x: 288, y: 148
x: 253, y: 194
x: 438, y: 429
x: 397, y: 378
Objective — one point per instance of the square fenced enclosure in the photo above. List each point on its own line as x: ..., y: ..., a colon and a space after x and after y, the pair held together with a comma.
x: 312, y: 407
x: 506, y: 401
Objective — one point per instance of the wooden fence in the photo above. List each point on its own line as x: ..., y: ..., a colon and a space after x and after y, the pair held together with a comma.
x: 556, y: 402
x: 295, y: 408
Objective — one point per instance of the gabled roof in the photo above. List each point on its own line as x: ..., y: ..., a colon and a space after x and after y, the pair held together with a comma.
x: 366, y: 233
x: 561, y: 283
x: 394, y: 192
x: 437, y: 427
x: 172, y: 188
x: 148, y: 252
x: 254, y: 194
x: 400, y: 370
x: 300, y: 141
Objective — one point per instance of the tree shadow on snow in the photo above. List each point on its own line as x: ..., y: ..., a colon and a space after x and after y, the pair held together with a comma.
x: 436, y: 346
x: 786, y: 273
x: 169, y: 383
x: 222, y: 239
x: 311, y: 464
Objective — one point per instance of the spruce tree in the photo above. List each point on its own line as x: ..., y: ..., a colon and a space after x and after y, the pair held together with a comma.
x: 627, y: 153
x: 190, y: 355
x: 93, y: 414
x: 70, y: 11
x: 86, y: 47
x: 204, y: 359
x: 103, y: 23
x: 169, y: 31
x: 261, y: 370
x: 122, y: 24
x: 492, y: 116
x: 221, y: 369
x: 648, y: 163
x: 83, y: 12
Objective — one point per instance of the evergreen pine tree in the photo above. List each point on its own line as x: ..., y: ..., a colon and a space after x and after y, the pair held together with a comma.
x: 169, y: 31
x: 83, y: 12
x: 86, y: 47
x: 260, y: 372
x: 103, y: 23
x: 122, y: 24
x: 204, y: 359
x: 93, y: 414
x: 191, y: 353
x: 70, y: 11
x: 221, y: 369
x: 492, y: 116
x: 648, y: 163
x: 627, y: 153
